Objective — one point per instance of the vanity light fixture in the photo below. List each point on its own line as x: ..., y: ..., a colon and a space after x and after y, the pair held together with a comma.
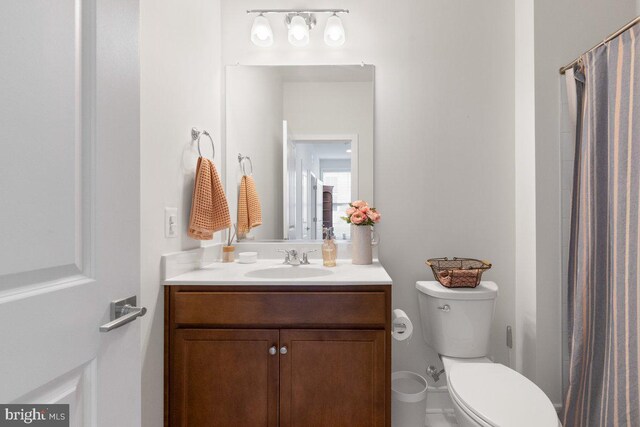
x: 299, y: 23
x: 261, y: 33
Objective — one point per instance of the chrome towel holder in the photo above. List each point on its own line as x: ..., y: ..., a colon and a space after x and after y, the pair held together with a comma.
x: 195, y: 137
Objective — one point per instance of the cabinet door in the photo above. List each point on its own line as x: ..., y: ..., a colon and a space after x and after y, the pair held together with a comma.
x: 332, y: 378
x: 224, y: 378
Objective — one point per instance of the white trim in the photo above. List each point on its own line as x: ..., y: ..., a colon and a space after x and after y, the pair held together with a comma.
x: 285, y: 181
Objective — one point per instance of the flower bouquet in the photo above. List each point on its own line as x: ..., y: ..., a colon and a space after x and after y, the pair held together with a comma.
x: 360, y: 213
x: 362, y: 218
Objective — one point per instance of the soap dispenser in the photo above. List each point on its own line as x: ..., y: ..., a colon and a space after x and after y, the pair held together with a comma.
x: 329, y: 248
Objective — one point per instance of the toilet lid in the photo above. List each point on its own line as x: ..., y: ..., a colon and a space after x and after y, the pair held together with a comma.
x: 501, y: 396
x: 485, y: 290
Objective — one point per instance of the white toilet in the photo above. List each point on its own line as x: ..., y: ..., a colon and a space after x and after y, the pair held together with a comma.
x: 457, y: 324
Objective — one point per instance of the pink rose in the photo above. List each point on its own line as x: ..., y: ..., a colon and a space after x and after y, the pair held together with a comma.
x: 373, y: 216
x: 358, y: 218
x: 359, y: 204
x: 364, y: 209
x: 350, y: 211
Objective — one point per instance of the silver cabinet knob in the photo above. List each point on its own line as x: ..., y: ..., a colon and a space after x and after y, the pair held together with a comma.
x: 445, y: 308
x: 273, y: 350
x: 283, y: 349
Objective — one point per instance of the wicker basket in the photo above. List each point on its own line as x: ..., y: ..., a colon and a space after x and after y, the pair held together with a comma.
x: 458, y: 272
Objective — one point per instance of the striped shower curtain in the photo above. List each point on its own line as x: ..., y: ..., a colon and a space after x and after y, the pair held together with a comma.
x: 604, y: 254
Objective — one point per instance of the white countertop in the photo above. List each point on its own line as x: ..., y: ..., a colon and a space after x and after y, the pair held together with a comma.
x: 344, y: 273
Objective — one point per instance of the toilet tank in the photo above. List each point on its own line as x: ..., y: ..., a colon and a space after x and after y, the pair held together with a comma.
x: 456, y: 322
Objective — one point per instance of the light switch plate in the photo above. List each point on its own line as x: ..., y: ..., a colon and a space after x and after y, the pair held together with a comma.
x: 170, y: 222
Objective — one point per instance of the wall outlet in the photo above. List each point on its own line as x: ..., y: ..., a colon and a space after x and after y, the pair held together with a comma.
x: 171, y: 222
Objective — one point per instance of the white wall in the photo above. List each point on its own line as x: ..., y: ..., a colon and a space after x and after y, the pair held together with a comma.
x: 444, y: 128
x: 180, y: 81
x: 563, y: 31
x: 254, y: 128
x: 336, y: 108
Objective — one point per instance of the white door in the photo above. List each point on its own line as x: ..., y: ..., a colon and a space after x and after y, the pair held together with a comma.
x: 318, y: 216
x: 305, y: 208
x: 315, y: 207
x: 69, y: 206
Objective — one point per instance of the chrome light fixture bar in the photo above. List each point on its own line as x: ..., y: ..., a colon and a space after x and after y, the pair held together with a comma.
x: 265, y: 11
x: 299, y: 23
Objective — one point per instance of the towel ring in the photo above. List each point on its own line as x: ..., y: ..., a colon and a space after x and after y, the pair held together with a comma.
x: 196, y: 135
x: 241, y: 160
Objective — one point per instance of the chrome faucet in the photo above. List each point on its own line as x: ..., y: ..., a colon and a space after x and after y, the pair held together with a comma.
x: 292, y: 257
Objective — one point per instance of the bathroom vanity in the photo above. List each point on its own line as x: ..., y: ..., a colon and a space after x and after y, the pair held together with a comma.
x: 273, y: 345
x: 268, y: 344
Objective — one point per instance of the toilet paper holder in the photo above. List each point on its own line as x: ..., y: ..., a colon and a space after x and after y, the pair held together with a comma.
x: 401, y: 325
x: 399, y: 328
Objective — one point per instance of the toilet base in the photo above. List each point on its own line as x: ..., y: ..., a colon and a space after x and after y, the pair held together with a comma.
x: 465, y: 419
x: 469, y: 381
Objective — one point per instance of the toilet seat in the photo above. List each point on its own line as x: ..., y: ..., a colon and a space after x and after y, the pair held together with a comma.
x: 498, y: 396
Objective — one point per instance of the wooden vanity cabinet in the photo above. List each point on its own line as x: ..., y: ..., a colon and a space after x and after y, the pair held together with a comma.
x: 294, y: 356
x: 224, y: 375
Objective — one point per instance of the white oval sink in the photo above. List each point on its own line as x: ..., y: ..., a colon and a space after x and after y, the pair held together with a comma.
x: 288, y: 272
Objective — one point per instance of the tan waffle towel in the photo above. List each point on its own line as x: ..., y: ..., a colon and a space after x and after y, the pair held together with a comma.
x: 249, y: 211
x: 209, y: 207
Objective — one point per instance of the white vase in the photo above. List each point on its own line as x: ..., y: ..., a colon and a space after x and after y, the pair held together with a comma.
x: 361, y: 244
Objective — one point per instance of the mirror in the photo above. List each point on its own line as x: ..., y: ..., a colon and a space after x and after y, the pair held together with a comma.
x: 308, y: 131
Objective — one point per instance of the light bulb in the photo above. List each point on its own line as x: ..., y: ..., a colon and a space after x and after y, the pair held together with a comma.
x: 334, y: 31
x: 261, y: 34
x: 298, y: 31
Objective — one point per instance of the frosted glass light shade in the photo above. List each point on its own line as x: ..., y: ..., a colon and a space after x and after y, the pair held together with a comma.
x: 298, y: 31
x: 334, y: 31
x: 261, y: 33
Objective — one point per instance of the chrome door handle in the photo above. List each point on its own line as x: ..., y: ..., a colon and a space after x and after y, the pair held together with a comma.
x: 445, y: 308
x: 283, y: 349
x: 273, y: 350
x: 122, y: 312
